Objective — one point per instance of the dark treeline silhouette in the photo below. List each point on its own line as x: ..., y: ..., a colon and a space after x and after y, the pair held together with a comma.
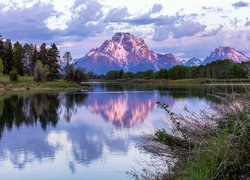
x: 43, y: 109
x: 220, y: 69
x: 23, y: 58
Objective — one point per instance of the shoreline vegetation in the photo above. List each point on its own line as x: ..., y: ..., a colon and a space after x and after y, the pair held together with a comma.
x: 203, y: 146
x: 196, y: 81
x: 25, y: 83
x: 28, y: 84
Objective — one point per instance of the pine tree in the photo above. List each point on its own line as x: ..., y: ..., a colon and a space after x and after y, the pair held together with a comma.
x: 53, y: 62
x: 8, y: 57
x: 18, y: 58
x: 1, y: 47
x: 43, y: 54
x: 35, y: 57
x: 1, y: 55
x: 29, y: 58
x: 67, y: 58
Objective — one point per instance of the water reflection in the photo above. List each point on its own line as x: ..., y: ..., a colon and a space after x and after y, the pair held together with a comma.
x: 80, y: 133
x: 123, y: 109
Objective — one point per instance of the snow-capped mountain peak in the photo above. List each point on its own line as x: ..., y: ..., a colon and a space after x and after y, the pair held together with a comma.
x: 226, y: 53
x: 127, y: 52
x: 192, y: 62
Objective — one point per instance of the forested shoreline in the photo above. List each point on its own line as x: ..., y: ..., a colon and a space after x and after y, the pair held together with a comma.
x: 44, y: 63
x: 220, y: 69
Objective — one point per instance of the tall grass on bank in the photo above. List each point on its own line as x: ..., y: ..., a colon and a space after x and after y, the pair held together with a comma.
x: 209, y: 146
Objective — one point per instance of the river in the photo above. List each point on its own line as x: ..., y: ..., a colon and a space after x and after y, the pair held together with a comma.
x: 86, y: 134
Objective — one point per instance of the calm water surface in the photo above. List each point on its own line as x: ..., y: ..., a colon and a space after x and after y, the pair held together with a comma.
x: 85, y: 135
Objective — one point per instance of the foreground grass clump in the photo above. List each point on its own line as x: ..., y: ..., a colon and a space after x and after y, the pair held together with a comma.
x: 209, y: 146
x: 224, y: 155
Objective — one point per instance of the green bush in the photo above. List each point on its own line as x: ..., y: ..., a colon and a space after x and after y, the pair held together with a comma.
x: 40, y: 72
x: 13, y: 75
x: 80, y: 75
x: 70, y: 73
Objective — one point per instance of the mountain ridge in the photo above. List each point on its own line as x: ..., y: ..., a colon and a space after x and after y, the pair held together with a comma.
x: 129, y: 53
x: 225, y: 52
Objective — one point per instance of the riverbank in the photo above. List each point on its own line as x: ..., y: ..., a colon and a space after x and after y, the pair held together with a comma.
x: 28, y: 84
x: 210, y: 146
x: 198, y: 81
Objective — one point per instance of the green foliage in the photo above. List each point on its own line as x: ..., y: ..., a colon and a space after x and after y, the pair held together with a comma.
x: 24, y: 58
x: 1, y: 47
x: 40, y: 72
x: 90, y: 75
x: 237, y: 71
x: 80, y: 75
x: 224, y: 155
x: 13, y: 75
x: 70, y: 73
x: 221, y: 69
x: 75, y: 75
x: 221, y: 153
x: 67, y: 58
x: 112, y: 75
x: 1, y: 67
x: 128, y: 75
x: 178, y: 72
x: 52, y: 63
x: 162, y: 74
x: 8, y: 57
x: 18, y: 57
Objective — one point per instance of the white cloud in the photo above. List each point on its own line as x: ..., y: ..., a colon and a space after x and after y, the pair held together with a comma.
x: 73, y: 21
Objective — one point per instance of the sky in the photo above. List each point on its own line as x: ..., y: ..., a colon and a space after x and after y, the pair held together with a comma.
x: 187, y: 28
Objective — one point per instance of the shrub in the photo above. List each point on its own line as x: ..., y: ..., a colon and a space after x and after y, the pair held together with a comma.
x: 40, y: 72
x: 80, y: 75
x: 70, y: 73
x: 13, y: 75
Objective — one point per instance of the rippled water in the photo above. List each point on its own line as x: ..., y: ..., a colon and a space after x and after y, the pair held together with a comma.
x: 84, y: 135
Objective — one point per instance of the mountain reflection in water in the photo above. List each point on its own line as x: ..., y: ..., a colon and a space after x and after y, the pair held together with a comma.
x: 80, y: 133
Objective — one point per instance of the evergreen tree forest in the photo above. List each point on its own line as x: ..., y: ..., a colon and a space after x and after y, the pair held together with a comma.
x: 22, y: 59
x: 220, y: 69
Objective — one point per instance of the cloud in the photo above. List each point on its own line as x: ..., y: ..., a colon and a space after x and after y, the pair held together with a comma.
x: 186, y: 28
x: 27, y: 23
x: 156, y: 8
x: 199, y: 46
x: 247, y: 23
x: 240, y: 4
x: 87, y: 20
x: 212, y: 9
x: 38, y: 23
x: 213, y: 32
x: 234, y: 22
x: 117, y: 15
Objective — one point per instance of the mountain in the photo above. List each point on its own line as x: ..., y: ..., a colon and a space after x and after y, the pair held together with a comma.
x: 127, y: 52
x: 226, y: 53
x: 192, y: 62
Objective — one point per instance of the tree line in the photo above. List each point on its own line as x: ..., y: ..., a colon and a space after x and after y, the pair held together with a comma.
x: 24, y: 58
x: 220, y: 69
x: 42, y: 62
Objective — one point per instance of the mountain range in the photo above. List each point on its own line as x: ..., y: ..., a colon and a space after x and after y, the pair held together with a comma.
x: 127, y: 52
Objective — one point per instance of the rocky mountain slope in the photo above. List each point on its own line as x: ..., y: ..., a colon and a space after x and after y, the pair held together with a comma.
x: 226, y: 53
x: 127, y: 52
x: 192, y: 62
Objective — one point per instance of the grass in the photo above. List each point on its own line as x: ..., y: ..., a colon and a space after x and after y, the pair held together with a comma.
x: 208, y: 152
x: 224, y: 155
x: 28, y: 83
